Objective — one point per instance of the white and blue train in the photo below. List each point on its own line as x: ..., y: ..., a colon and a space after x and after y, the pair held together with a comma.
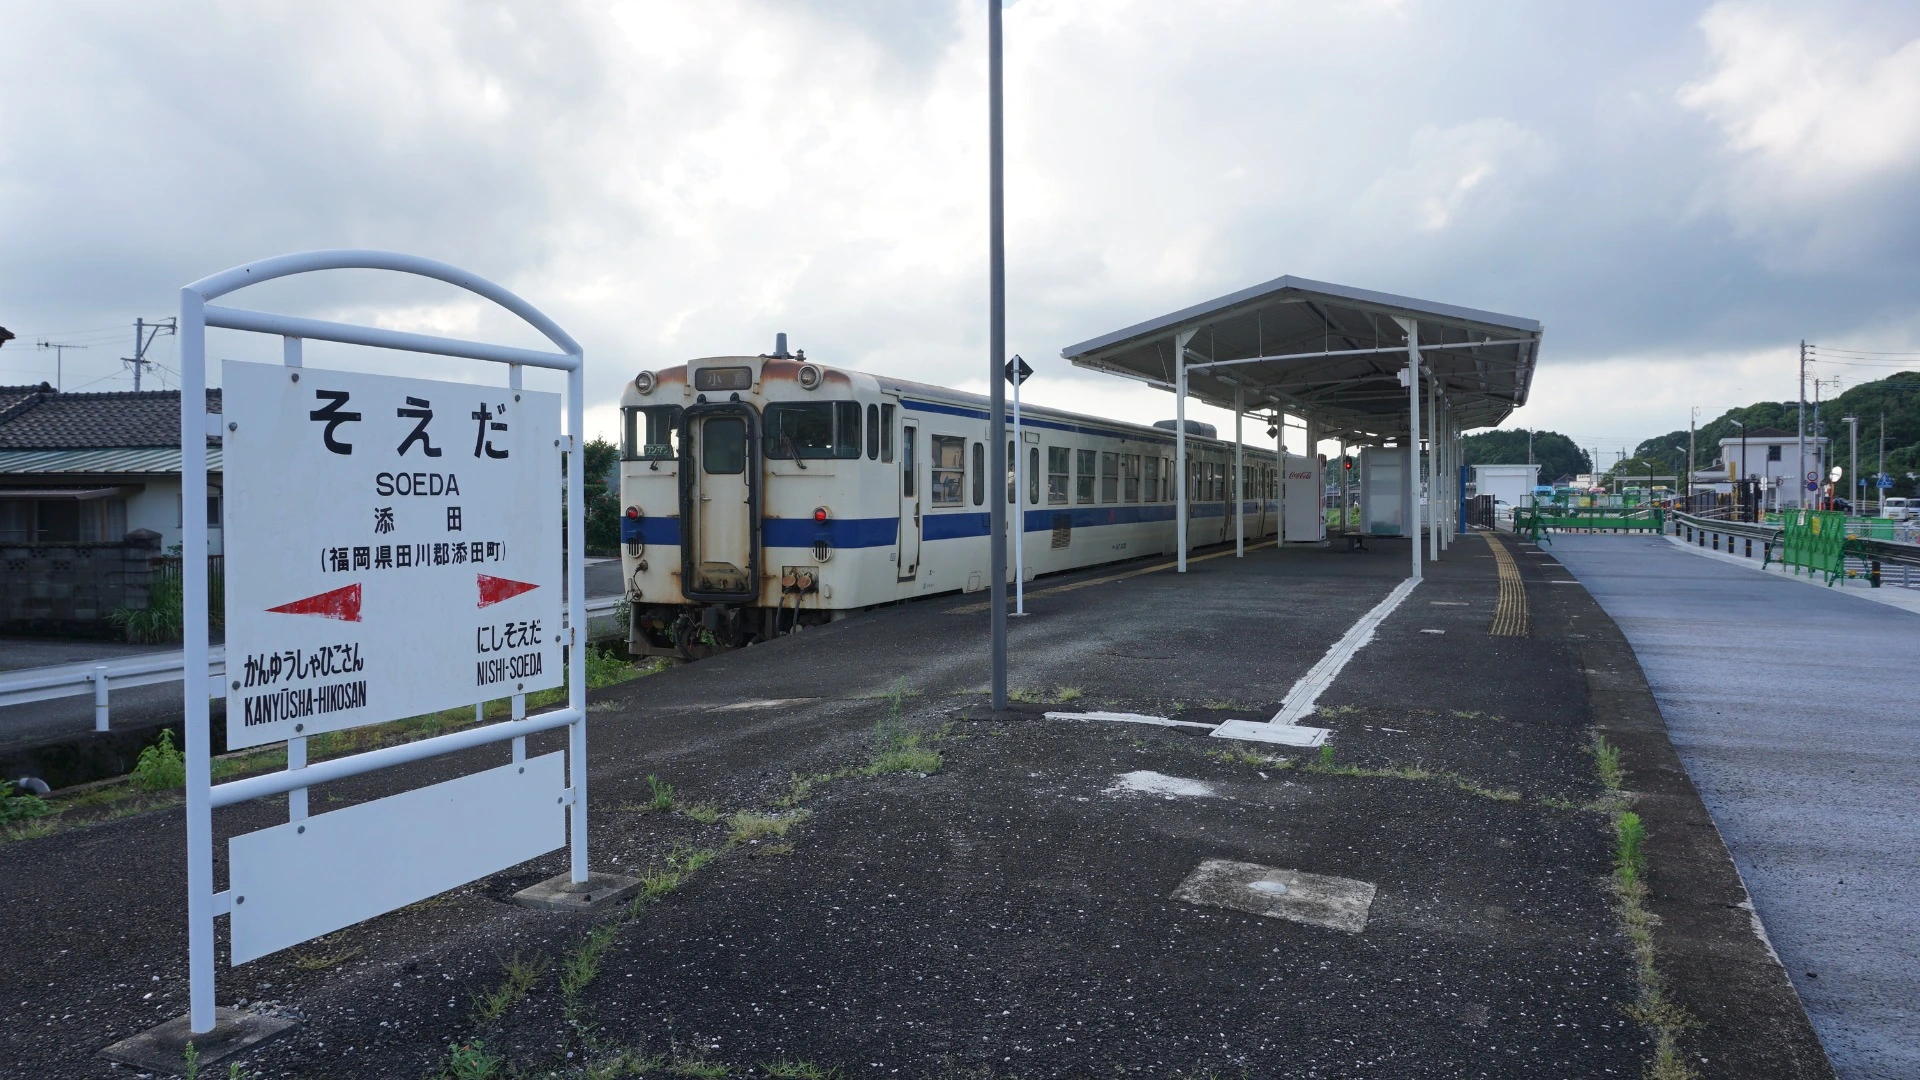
x: 762, y: 493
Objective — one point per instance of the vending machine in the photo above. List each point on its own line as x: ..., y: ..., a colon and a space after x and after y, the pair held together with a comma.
x: 1302, y: 494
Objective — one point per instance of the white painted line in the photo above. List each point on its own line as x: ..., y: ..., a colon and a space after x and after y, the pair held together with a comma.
x: 1433, y: 631
x: 1305, y: 694
x: 762, y: 703
x: 1277, y: 734
x: 1127, y: 718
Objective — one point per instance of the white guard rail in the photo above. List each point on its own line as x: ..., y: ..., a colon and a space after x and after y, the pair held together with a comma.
x: 99, y: 678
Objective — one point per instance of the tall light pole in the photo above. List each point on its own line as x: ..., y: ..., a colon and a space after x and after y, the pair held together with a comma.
x: 1800, y: 477
x: 1853, y: 463
x: 997, y: 360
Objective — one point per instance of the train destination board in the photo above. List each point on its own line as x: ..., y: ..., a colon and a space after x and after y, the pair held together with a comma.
x: 393, y: 547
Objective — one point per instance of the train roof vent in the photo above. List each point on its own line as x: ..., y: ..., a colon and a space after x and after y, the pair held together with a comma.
x: 1194, y: 427
x: 779, y: 349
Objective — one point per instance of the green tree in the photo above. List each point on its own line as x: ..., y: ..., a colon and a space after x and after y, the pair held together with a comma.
x: 601, y: 484
x: 1556, y: 454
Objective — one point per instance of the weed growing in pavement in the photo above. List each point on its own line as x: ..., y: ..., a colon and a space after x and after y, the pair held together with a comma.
x: 324, y: 961
x: 1326, y: 767
x: 1606, y: 761
x: 749, y: 826
x: 161, y: 766
x: 682, y: 863
x: 799, y: 1070
x: 578, y: 971
x: 1241, y: 756
x: 1222, y: 705
x: 520, y: 975
x: 764, y: 850
x: 471, y: 1061
x: 895, y: 749
x: 1663, y: 1019
x: 659, y: 795
x: 624, y: 1063
x: 1326, y: 755
x: 704, y: 813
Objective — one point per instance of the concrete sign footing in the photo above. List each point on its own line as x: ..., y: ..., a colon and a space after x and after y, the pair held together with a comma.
x: 164, y: 1049
x: 562, y: 893
x: 1315, y: 899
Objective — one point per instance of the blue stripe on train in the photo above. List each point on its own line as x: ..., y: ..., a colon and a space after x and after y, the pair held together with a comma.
x: 885, y: 531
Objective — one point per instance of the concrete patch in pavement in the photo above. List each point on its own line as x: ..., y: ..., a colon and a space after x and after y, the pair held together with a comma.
x: 1336, y: 903
x: 163, y: 1048
x: 1127, y: 718
x: 1148, y: 782
x: 1277, y: 734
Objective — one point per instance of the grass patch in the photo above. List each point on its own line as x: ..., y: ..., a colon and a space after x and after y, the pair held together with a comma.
x: 681, y: 864
x: 799, y: 1070
x: 1606, y: 762
x: 519, y: 977
x: 765, y: 850
x: 749, y: 826
x: 1325, y: 766
x: 895, y: 749
x: 704, y: 813
x: 1059, y: 695
x: 324, y: 961
x: 1241, y: 756
x: 699, y: 1068
x: 471, y: 1061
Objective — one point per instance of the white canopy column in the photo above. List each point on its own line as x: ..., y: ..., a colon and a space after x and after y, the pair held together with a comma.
x: 1180, y: 341
x: 1413, y: 439
x: 1239, y: 472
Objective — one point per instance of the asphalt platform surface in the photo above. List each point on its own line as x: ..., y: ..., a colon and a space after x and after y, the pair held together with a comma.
x: 1797, y: 712
x: 1012, y: 913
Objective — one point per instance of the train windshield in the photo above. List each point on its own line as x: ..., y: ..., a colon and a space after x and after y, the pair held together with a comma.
x: 813, y: 429
x: 651, y: 433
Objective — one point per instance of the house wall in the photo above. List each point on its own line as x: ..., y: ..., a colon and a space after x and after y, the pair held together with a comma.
x: 158, y: 508
x: 1785, y: 470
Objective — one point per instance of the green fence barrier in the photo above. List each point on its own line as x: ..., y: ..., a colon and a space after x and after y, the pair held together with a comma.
x: 1815, y: 541
x: 1535, y: 522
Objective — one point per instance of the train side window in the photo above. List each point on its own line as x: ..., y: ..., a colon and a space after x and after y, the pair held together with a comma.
x: 1109, y: 476
x: 1012, y: 492
x: 1059, y: 462
x: 652, y: 433
x: 1130, y: 468
x: 979, y: 473
x: 873, y: 432
x: 886, y: 434
x: 1152, y: 492
x: 1033, y: 474
x: 907, y: 440
x: 947, y: 459
x: 1083, y: 476
x: 813, y: 429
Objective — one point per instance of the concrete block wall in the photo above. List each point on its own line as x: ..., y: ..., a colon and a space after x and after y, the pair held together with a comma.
x: 71, y: 588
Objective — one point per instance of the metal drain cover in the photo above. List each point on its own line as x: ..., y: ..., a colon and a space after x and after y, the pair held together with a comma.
x: 1315, y: 899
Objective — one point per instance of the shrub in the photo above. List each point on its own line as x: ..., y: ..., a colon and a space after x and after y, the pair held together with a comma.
x: 21, y: 807
x: 161, y: 767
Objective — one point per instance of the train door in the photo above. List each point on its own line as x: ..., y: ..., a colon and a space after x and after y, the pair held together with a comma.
x: 720, y: 500
x: 909, y: 554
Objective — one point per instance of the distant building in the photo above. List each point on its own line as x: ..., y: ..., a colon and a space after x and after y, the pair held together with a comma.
x: 1772, y: 455
x: 1506, y: 483
x: 92, y: 467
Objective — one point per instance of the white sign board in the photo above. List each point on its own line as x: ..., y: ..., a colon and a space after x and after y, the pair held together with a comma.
x: 393, y: 547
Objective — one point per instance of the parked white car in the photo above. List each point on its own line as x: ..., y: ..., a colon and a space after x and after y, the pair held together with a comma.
x: 1902, y: 509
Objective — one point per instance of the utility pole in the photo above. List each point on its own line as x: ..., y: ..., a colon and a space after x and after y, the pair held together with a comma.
x: 1820, y: 448
x: 143, y: 335
x: 996, y: 361
x: 1693, y: 418
x: 59, y: 360
x: 1880, y: 473
x: 1800, y: 478
x: 1853, y: 463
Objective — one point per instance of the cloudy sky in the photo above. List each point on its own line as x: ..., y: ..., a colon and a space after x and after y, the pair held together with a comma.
x: 1679, y: 192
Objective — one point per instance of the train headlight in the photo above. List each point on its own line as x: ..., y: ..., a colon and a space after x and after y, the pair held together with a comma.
x: 644, y: 382
x: 809, y: 377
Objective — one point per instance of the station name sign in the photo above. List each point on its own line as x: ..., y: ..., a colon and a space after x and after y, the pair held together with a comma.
x: 392, y: 546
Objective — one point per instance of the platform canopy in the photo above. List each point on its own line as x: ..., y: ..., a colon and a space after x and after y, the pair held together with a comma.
x: 1330, y: 352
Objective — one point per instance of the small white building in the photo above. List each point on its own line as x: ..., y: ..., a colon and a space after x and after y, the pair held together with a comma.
x: 1506, y: 483
x: 1772, y: 455
x: 94, y: 467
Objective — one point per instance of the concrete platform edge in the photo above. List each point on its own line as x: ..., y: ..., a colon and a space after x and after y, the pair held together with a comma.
x: 1716, y: 962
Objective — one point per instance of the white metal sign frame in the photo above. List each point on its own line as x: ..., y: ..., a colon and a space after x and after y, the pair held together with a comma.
x: 196, y: 314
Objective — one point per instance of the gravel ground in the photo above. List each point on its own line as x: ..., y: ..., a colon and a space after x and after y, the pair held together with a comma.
x: 1007, y: 915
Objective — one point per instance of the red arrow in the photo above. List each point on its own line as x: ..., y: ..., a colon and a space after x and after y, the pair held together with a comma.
x: 342, y: 604
x: 495, y: 589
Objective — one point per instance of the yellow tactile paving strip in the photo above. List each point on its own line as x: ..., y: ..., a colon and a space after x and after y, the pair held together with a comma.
x: 1510, y: 611
x: 968, y: 609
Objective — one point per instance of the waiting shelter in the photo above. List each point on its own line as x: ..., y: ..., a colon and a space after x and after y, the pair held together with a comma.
x: 1369, y: 369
